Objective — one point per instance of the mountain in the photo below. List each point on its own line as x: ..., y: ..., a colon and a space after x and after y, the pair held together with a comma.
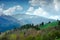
x: 49, y: 33
x: 29, y: 19
x: 8, y: 22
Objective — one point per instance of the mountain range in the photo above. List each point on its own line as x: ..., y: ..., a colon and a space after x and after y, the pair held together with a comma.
x: 9, y: 22
x: 29, y: 19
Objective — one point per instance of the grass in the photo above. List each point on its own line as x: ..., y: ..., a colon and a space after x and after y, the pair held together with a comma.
x: 57, y: 39
x: 53, y: 24
x: 13, y: 37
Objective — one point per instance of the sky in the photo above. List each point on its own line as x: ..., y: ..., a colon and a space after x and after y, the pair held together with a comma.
x: 45, y: 8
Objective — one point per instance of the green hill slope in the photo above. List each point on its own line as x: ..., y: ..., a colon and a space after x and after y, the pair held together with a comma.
x: 51, y: 33
x: 53, y: 24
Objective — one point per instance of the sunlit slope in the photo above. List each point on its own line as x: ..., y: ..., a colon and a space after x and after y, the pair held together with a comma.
x: 53, y: 24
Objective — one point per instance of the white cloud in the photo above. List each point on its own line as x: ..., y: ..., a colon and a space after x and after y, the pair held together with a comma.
x: 49, y: 4
x: 47, y: 8
x: 38, y: 2
x: 30, y: 10
x: 11, y: 10
x: 18, y: 7
x: 20, y: 18
x: 38, y: 12
x: 55, y: 17
x: 34, y: 2
x: 1, y: 11
x: 57, y: 5
x: 43, y: 13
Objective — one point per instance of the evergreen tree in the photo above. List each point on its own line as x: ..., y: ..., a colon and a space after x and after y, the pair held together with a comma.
x: 42, y: 23
x: 0, y: 32
x: 49, y: 22
x: 58, y: 22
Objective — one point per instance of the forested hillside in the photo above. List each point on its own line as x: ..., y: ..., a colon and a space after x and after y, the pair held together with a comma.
x: 49, y: 31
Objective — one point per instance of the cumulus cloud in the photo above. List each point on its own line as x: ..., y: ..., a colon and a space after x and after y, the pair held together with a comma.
x: 55, y: 17
x: 43, y: 13
x: 34, y: 2
x: 30, y: 11
x: 57, y: 5
x: 40, y: 2
x: 47, y: 8
x: 11, y: 10
x: 38, y: 12
x: 1, y: 11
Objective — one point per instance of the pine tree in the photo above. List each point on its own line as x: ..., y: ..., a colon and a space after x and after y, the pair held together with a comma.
x: 42, y: 23
x: 58, y: 22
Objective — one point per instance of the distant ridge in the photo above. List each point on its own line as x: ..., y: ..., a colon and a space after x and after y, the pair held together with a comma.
x: 8, y: 22
x: 28, y: 19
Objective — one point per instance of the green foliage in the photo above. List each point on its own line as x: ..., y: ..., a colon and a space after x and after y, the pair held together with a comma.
x: 27, y: 26
x: 58, y: 22
x: 30, y: 37
x: 38, y: 37
x: 37, y: 32
x: 12, y: 37
x: 52, y: 24
x: 42, y: 24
